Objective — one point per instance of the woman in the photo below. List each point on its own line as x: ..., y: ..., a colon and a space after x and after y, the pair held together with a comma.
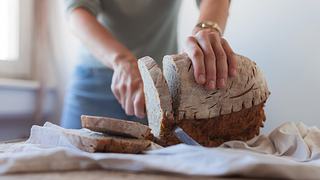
x: 115, y: 33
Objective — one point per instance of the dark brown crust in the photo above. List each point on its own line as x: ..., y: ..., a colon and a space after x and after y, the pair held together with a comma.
x: 122, y: 146
x: 117, y: 127
x: 98, y: 142
x: 242, y: 125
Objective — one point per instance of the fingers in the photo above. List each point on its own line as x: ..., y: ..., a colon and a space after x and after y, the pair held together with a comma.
x: 139, y: 103
x: 221, y: 60
x: 209, y: 58
x: 122, y: 88
x: 114, y: 89
x: 129, y: 103
x: 122, y: 92
x: 197, y: 58
x: 231, y: 58
x: 134, y: 100
x: 129, y: 94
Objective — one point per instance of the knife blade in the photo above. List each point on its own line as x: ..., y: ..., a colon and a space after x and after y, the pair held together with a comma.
x: 184, y: 137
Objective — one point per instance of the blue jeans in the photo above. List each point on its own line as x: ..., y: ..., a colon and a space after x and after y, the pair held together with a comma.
x: 90, y: 93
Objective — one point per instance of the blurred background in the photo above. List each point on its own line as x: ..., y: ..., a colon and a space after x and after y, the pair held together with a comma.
x: 37, y: 53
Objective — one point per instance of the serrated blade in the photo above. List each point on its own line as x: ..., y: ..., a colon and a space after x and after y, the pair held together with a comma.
x: 184, y: 137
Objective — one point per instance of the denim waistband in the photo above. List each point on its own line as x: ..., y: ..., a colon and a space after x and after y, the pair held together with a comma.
x: 85, y: 71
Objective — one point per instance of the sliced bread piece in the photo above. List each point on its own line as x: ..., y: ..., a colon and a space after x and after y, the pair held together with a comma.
x: 157, y: 97
x: 118, y: 127
x: 86, y: 140
x: 89, y: 141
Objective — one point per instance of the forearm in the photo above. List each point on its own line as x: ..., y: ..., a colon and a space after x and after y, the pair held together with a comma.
x: 97, y: 39
x: 215, y: 11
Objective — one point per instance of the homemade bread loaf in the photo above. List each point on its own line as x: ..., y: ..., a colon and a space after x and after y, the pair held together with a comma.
x: 210, y: 117
x: 117, y: 127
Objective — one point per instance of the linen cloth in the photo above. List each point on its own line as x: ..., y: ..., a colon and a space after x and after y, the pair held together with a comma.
x: 290, y: 151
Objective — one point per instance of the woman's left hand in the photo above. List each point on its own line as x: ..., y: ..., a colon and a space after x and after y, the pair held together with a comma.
x: 212, y: 58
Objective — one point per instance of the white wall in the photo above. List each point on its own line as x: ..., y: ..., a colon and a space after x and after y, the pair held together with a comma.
x: 283, y: 37
x: 54, y: 52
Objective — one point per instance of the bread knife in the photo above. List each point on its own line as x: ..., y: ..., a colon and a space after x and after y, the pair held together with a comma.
x: 184, y: 137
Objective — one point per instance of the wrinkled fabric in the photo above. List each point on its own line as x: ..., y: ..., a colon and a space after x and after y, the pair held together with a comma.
x: 290, y: 151
x: 291, y: 140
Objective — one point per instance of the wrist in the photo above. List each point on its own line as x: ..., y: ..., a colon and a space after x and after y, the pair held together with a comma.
x: 208, y: 25
x: 121, y: 59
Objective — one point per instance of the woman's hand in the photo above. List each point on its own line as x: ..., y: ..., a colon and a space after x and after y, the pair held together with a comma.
x: 127, y: 86
x: 126, y: 81
x: 212, y: 58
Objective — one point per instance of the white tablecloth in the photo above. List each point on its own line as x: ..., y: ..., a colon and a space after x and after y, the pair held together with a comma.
x: 290, y: 151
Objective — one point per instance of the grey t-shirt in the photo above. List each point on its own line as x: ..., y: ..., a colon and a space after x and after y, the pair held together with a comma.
x: 146, y: 27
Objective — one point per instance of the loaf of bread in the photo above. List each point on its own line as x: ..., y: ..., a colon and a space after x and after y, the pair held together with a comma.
x: 210, y: 117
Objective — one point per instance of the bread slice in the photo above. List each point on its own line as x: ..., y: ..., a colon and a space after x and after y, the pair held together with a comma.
x: 86, y: 140
x: 157, y: 97
x: 98, y: 142
x: 210, y: 117
x: 117, y: 127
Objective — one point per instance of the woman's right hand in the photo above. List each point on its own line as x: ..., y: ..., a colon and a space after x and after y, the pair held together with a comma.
x: 126, y: 81
x: 127, y: 85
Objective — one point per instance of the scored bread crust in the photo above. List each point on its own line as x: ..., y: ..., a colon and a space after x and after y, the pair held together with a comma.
x: 113, y: 126
x: 192, y: 101
x: 210, y: 117
x: 157, y: 96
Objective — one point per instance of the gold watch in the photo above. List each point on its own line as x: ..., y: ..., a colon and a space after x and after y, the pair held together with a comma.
x: 209, y: 25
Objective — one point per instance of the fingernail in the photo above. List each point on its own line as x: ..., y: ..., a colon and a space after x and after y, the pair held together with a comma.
x: 202, y: 79
x: 233, y: 72
x: 212, y: 84
x: 141, y: 115
x: 222, y: 82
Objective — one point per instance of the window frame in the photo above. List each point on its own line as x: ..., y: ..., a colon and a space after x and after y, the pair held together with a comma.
x: 21, y: 67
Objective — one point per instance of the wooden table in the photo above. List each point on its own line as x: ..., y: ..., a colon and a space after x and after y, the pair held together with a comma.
x: 98, y: 174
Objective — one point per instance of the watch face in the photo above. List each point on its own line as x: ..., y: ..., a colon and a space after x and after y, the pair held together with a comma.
x: 206, y: 24
x: 202, y: 25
